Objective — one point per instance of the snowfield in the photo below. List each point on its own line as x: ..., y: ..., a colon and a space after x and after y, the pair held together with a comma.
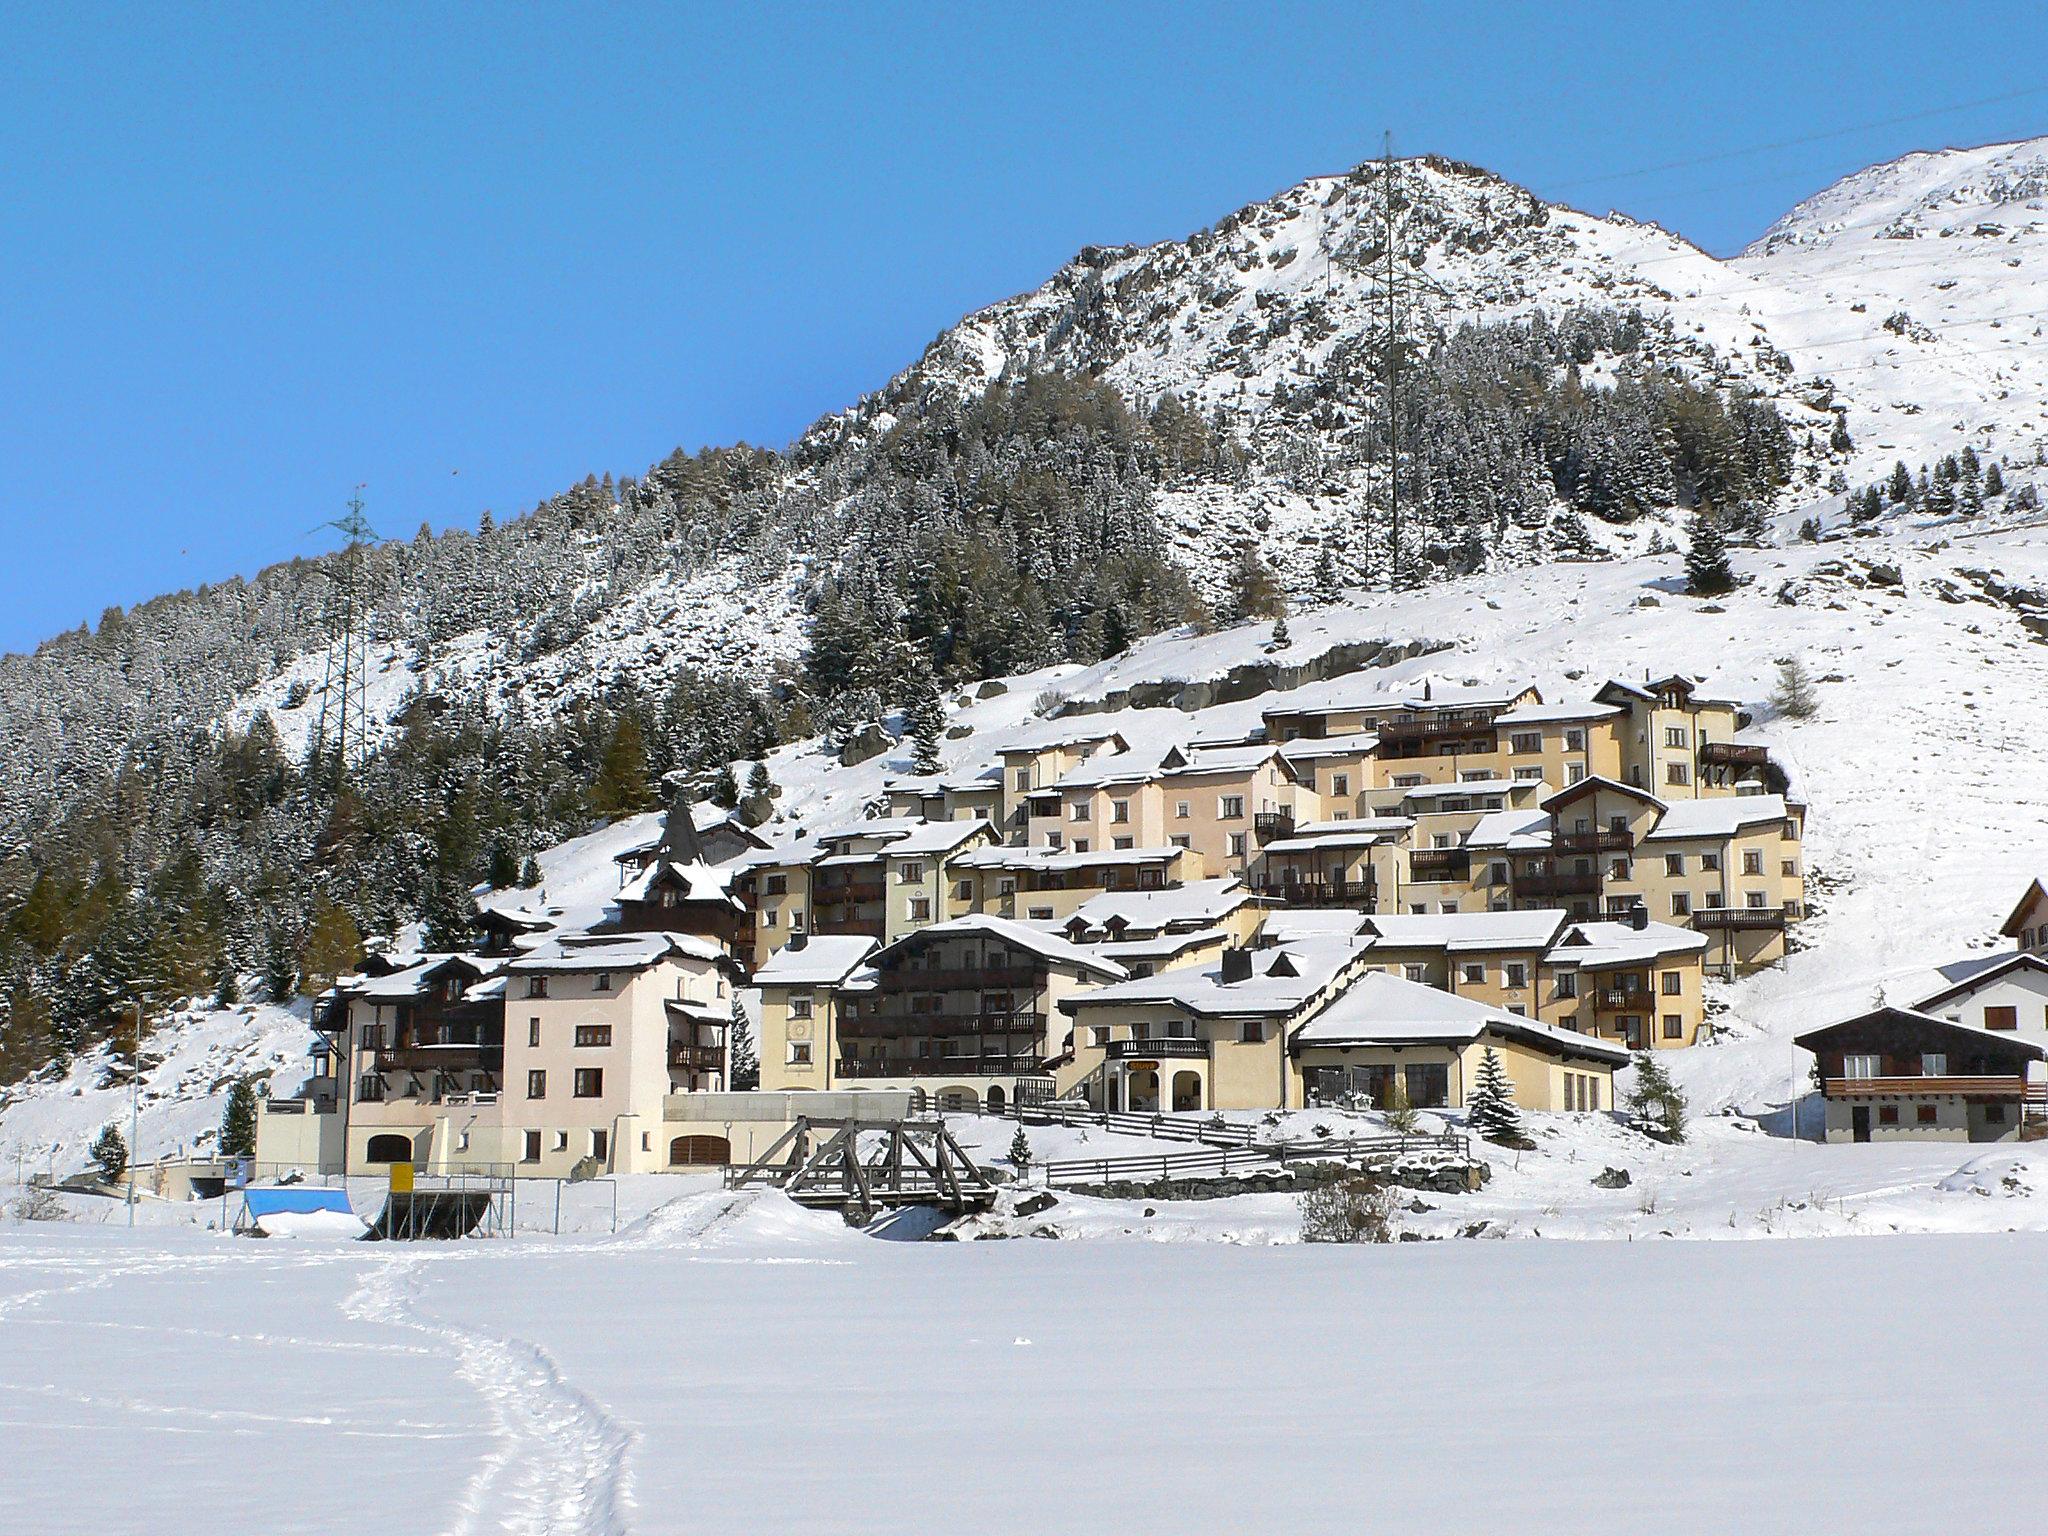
x: 736, y: 1364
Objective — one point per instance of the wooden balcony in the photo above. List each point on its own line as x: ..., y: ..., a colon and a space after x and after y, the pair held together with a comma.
x: 1565, y: 882
x: 1604, y: 841
x: 1921, y: 1087
x: 985, y: 978
x: 1623, y: 999
x: 1428, y: 864
x: 941, y: 1066
x: 940, y: 1026
x: 1271, y: 826
x: 1175, y: 1048
x: 1740, y: 917
x: 836, y: 922
x: 696, y: 1058
x: 1310, y: 891
x: 1734, y: 754
x: 848, y: 893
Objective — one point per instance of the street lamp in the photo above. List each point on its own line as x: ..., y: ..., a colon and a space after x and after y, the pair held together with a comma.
x: 142, y: 987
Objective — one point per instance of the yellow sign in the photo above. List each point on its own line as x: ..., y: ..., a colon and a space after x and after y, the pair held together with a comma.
x: 401, y: 1178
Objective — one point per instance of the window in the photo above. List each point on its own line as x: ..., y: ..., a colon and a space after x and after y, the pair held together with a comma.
x: 1252, y: 1033
x: 778, y: 885
x: 529, y: 1147
x: 1077, y: 811
x: 1756, y: 901
x: 1122, y: 843
x: 920, y: 909
x: 370, y: 1089
x: 1593, y: 1093
x: 1887, y: 1114
x: 1237, y: 845
x: 589, y: 1083
x: 2001, y: 1018
x: 532, y: 1032
x: 1525, y: 742
x: 1676, y: 773
x: 798, y: 1053
x: 1119, y: 810
x: 1674, y: 735
x: 1567, y: 983
x: 1789, y: 868
x: 768, y: 918
x: 603, y: 982
x: 1518, y: 975
x: 1529, y: 775
x: 600, y: 1144
x: 1791, y: 830
x: 1673, y: 983
x: 800, y: 1006
x: 1429, y: 1086
x: 1994, y: 1114
x: 536, y: 986
x: 1710, y: 862
x: 1674, y: 863
x: 796, y: 919
x: 910, y: 874
x: 561, y: 1141
x: 1573, y: 772
x: 1230, y: 807
x: 1752, y: 861
x: 1475, y: 975
x: 1497, y: 872
x: 1924, y: 1114
x: 1518, y: 1010
x: 1181, y: 811
x: 1023, y: 778
x: 1098, y: 1034
x: 1039, y: 914
x: 593, y: 1034
x: 1340, y: 783
x: 1674, y: 1027
x: 1934, y: 1064
x: 536, y: 1084
x: 1860, y: 1066
x: 1681, y: 904
x: 963, y: 890
x: 1618, y: 869
x: 1181, y: 840
x: 1413, y: 973
x: 1575, y: 740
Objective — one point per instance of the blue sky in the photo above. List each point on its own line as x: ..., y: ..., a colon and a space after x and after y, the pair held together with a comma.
x: 253, y: 256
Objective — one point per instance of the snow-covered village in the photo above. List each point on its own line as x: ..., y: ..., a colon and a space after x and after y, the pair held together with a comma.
x: 1410, y: 824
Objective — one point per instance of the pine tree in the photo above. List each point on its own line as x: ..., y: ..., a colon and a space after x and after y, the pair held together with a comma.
x: 333, y: 947
x: 501, y: 870
x: 1281, y: 639
x: 1490, y: 1107
x: 1838, y: 435
x: 1794, y: 696
x: 1707, y: 572
x: 110, y: 1151
x: 725, y: 788
x: 529, y: 873
x: 623, y: 786
x: 1994, y: 480
x: 1255, y: 592
x: 280, y: 971
x: 238, y: 1122
x: 743, y: 1066
x: 227, y: 986
x: 1655, y: 1104
x: 1020, y: 1153
x: 924, y: 713
x: 1900, y: 489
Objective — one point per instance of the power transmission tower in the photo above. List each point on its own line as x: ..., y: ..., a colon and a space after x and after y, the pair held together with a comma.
x: 343, y: 725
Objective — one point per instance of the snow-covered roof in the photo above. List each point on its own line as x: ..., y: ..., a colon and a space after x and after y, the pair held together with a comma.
x: 701, y: 882
x: 1025, y: 936
x: 1597, y: 781
x: 1466, y: 787
x: 1294, y: 925
x: 1965, y: 978
x: 1107, y: 768
x: 826, y: 959
x: 1165, y: 946
x: 1722, y: 816
x: 1461, y: 932
x: 411, y: 981
x: 1065, y: 732
x: 1197, y: 901
x: 1008, y: 857
x: 2036, y: 1049
x: 1349, y: 744
x: 1378, y: 1009
x: 1606, y: 946
x: 613, y: 952
x: 1551, y: 714
x: 1244, y: 759
x: 988, y: 778
x: 938, y: 836
x: 2036, y: 889
x: 1282, y: 979
x: 1527, y: 828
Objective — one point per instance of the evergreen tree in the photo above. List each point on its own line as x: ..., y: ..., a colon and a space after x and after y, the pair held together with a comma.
x: 1810, y: 530
x: 759, y: 785
x: 1794, y: 696
x: 280, y: 971
x: 529, y: 873
x: 623, y: 786
x: 1838, y: 435
x: 447, y: 924
x: 1994, y: 480
x: 743, y: 1065
x: 1490, y: 1107
x: 502, y: 870
x: 725, y: 788
x: 1707, y: 572
x: 1655, y: 1104
x: 332, y: 948
x: 1281, y: 638
x: 238, y: 1122
x: 110, y: 1151
x: 1255, y: 592
x: 924, y: 713
x: 1900, y: 489
x: 227, y: 986
x: 1020, y: 1153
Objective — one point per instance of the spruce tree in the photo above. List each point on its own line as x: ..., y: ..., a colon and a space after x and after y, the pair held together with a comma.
x: 1900, y: 489
x: 924, y: 713
x: 1490, y: 1107
x: 1994, y: 480
x: 1794, y: 696
x: 1655, y: 1104
x: 1020, y: 1153
x: 623, y: 785
x: 227, y: 986
x: 238, y: 1122
x: 1707, y: 572
x: 529, y: 873
x: 742, y: 1064
x: 280, y: 971
x: 333, y: 947
x: 110, y: 1151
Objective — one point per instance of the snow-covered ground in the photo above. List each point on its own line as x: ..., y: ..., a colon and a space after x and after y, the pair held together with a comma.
x: 735, y: 1364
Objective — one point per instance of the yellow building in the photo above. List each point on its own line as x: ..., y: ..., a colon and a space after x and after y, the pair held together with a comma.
x: 1045, y: 884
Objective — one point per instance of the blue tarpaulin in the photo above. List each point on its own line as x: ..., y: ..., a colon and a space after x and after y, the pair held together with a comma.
x: 294, y: 1200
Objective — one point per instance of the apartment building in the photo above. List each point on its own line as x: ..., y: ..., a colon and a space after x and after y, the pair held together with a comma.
x: 971, y: 795
x: 1219, y: 801
x: 1339, y: 863
x: 1435, y: 869
x: 1035, y: 762
x: 964, y: 1011
x: 1046, y: 884
x: 1148, y: 931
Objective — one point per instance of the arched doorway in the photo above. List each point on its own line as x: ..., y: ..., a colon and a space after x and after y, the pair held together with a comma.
x: 1187, y: 1090
x: 1141, y: 1090
x: 699, y: 1152
x: 389, y: 1147
x: 958, y: 1098
x: 995, y: 1098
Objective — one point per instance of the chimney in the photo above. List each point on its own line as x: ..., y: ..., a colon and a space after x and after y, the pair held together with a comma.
x: 797, y: 941
x: 1237, y: 965
x: 1639, y: 917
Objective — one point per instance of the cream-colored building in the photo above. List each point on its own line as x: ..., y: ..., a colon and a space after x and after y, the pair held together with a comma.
x: 1044, y: 884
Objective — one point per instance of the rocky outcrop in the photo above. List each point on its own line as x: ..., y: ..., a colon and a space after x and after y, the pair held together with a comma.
x: 1252, y: 679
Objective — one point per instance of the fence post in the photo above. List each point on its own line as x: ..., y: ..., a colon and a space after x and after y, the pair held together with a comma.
x: 558, y: 1207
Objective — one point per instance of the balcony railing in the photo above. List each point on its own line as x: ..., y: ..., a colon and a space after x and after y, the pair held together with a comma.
x: 1741, y: 917
x: 1176, y: 1047
x: 850, y: 892
x: 1622, y: 999
x: 1566, y: 882
x: 1907, y: 1087
x: 1734, y: 753
x: 833, y: 921
x: 1435, y: 727
x: 941, y: 1066
x: 1271, y: 826
x: 1439, y: 864
x: 940, y: 1025
x: 1605, y: 840
x: 696, y: 1058
x: 962, y: 978
x: 1314, y: 892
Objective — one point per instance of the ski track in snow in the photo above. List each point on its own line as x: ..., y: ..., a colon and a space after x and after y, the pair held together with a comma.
x: 559, y: 1467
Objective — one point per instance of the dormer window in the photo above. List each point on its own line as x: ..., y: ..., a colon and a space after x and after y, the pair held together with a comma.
x: 603, y: 982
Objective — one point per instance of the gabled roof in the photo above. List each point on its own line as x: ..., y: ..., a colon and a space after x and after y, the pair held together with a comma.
x: 939, y: 836
x: 1201, y: 902
x: 1557, y: 714
x: 613, y: 952
x: 1511, y: 829
x: 1283, y: 978
x: 397, y: 986
x: 1597, y: 781
x: 1721, y: 816
x: 1967, y: 980
x: 1378, y: 1009
x: 1048, y: 734
x: 826, y: 959
x: 711, y: 883
x: 2036, y: 889
x: 1181, y: 764
x: 1350, y: 744
x: 1025, y: 936
x: 1294, y: 925
x: 1465, y: 932
x: 1603, y: 945
x: 1813, y: 1039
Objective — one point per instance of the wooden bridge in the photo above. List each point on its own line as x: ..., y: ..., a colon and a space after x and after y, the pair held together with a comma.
x: 869, y: 1166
